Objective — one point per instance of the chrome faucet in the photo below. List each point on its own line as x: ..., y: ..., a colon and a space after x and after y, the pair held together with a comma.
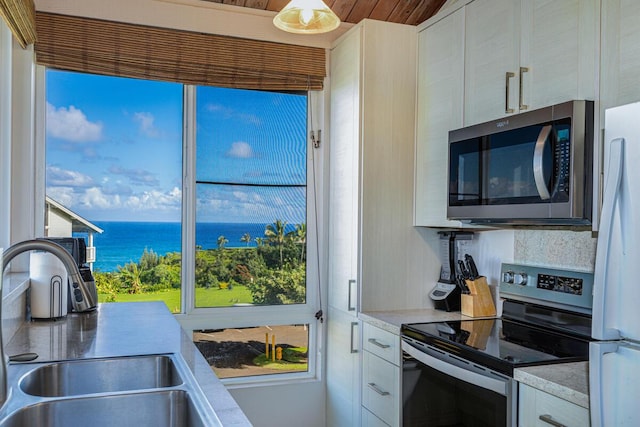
x: 83, y: 298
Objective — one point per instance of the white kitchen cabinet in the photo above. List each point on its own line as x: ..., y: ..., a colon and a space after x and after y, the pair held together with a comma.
x: 343, y: 367
x: 620, y: 56
x: 537, y: 408
x: 529, y: 54
x: 439, y: 109
x: 372, y: 113
x: 381, y: 376
x: 370, y: 420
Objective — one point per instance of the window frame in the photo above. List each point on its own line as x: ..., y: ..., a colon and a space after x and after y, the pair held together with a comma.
x: 195, y: 318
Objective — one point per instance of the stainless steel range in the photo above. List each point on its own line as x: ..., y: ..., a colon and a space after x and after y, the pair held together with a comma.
x: 460, y: 373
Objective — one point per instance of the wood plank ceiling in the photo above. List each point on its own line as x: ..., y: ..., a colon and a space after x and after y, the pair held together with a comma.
x: 412, y: 12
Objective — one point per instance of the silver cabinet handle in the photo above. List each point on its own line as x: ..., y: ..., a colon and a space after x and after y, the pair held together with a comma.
x: 549, y: 420
x: 378, y: 390
x: 378, y: 343
x: 538, y: 166
x: 353, y: 348
x: 508, y: 75
x: 523, y: 106
x: 351, y: 305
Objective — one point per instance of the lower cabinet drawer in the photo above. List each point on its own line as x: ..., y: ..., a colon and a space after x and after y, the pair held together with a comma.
x: 370, y: 420
x: 381, y: 388
x: 540, y: 409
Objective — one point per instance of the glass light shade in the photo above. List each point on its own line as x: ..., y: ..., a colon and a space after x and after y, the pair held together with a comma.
x: 306, y: 17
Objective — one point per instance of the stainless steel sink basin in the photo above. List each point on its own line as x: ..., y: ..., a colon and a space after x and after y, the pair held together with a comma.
x: 136, y: 391
x: 78, y: 377
x: 170, y: 408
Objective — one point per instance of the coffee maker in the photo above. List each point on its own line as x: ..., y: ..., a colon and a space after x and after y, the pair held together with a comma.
x: 453, y: 246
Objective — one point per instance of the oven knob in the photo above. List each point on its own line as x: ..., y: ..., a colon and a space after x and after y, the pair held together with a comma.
x: 507, y: 277
x: 520, y: 279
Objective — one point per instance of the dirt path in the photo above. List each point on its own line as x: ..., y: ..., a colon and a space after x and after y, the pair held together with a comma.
x: 230, y: 352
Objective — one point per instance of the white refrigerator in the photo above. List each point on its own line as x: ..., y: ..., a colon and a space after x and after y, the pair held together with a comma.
x: 614, y: 360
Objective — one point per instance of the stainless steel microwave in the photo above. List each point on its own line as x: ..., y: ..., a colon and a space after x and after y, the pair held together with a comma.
x: 529, y: 168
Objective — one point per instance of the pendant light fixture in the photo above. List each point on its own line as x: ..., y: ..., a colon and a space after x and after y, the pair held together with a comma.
x: 306, y: 17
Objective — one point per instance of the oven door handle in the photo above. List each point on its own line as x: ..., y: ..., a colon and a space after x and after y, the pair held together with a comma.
x: 496, y: 385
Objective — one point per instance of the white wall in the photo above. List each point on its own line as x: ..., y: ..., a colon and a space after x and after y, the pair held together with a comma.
x: 5, y: 133
x: 190, y: 15
x: 17, y: 144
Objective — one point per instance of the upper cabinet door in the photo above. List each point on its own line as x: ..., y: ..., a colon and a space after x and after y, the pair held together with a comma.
x: 439, y: 110
x: 530, y: 54
x: 492, y: 40
x: 344, y: 177
x: 620, y: 53
x: 558, y: 52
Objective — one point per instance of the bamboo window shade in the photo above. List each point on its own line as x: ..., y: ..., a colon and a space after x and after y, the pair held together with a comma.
x: 20, y: 18
x: 138, y: 51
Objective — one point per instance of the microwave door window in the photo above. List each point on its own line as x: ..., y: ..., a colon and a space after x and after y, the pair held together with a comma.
x: 510, y: 177
x: 465, y: 175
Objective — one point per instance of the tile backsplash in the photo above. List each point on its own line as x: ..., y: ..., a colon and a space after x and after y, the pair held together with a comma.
x: 555, y: 248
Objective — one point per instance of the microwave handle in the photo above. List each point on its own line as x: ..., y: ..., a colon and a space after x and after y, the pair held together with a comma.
x: 538, y: 165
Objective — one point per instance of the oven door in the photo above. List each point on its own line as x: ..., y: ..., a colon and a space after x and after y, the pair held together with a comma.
x: 440, y: 389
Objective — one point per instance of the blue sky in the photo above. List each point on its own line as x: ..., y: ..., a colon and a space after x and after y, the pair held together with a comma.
x: 114, y: 150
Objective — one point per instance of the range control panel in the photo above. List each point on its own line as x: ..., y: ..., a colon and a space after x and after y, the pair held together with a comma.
x: 542, y: 284
x: 569, y: 285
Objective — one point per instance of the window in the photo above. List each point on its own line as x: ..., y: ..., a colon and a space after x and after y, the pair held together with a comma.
x: 251, y: 195
x: 202, y: 196
x: 114, y: 158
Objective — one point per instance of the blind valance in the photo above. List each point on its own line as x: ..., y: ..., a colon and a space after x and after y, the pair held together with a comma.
x: 20, y: 18
x: 138, y: 51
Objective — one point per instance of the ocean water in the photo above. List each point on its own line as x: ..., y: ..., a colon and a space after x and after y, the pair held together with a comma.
x: 122, y: 242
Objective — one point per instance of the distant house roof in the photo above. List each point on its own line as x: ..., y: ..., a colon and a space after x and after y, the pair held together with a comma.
x: 78, y: 223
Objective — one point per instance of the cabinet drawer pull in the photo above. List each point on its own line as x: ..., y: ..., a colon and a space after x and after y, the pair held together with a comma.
x: 350, y: 305
x: 354, y: 327
x: 508, y: 75
x: 549, y: 420
x: 378, y: 343
x: 523, y: 106
x: 377, y: 389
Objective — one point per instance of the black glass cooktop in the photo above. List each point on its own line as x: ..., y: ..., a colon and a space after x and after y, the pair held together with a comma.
x: 500, y: 344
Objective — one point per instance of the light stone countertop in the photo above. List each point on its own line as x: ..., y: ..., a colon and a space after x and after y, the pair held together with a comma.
x: 125, y: 329
x: 391, y: 321
x: 568, y: 381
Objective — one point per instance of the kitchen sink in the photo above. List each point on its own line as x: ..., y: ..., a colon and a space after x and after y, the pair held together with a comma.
x: 146, y: 390
x: 167, y: 408
x: 88, y: 376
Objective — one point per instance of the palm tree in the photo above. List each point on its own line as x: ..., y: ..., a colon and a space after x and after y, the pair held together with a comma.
x: 275, y: 233
x: 130, y: 275
x: 300, y: 235
x: 246, y: 237
x: 222, y: 241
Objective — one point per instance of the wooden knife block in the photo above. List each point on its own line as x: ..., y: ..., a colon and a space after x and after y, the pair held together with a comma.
x: 479, y: 302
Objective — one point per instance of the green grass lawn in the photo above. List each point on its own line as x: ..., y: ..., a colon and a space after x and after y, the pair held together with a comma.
x: 212, y: 297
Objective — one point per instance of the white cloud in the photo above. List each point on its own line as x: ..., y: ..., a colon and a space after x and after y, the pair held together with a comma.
x: 95, y: 198
x: 240, y: 150
x: 146, y: 124
x: 230, y: 113
x: 155, y: 200
x: 71, y: 124
x: 63, y: 195
x: 63, y: 177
